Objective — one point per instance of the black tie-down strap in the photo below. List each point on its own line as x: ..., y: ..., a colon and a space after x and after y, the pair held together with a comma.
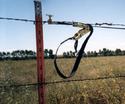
x: 79, y: 56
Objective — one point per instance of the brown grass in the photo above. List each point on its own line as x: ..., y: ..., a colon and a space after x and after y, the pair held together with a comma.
x: 111, y: 91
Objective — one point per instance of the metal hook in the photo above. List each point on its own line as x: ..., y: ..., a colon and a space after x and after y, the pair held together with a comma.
x: 50, y: 18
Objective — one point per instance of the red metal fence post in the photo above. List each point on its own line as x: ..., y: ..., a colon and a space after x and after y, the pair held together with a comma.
x: 40, y: 51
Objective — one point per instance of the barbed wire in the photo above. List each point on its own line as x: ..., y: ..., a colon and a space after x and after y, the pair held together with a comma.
x: 97, y: 25
x: 61, y: 82
x: 109, y: 24
x: 106, y: 27
x: 17, y: 19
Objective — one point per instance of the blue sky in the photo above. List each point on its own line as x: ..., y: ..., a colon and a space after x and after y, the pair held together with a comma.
x: 21, y: 35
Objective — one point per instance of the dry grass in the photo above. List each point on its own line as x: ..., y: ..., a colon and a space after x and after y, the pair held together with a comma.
x: 18, y: 72
x: 110, y: 91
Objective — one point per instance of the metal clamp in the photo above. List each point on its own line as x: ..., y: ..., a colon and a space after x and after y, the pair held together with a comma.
x: 81, y: 32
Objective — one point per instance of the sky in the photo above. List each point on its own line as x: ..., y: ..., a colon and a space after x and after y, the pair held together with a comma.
x: 21, y: 35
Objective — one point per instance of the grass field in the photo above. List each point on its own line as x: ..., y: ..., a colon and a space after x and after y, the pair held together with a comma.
x: 110, y: 91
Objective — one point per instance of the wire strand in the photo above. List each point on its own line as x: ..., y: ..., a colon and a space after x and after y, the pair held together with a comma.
x: 106, y: 27
x: 96, y: 25
x: 17, y: 19
x: 61, y: 82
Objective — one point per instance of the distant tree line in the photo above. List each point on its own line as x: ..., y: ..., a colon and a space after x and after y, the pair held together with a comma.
x: 103, y: 52
x: 18, y: 55
x: 48, y: 54
x: 24, y: 54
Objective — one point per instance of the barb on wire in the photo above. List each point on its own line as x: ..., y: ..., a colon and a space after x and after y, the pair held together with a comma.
x: 61, y: 81
x: 108, y: 24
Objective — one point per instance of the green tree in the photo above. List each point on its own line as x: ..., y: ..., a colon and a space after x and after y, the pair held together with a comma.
x: 51, y: 53
x: 104, y: 52
x: 118, y: 52
x: 68, y: 55
x: 100, y: 53
x: 95, y: 54
x: 71, y: 54
x: 1, y: 56
x: 46, y: 53
x: 88, y: 54
x: 64, y: 54
x: 123, y: 52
